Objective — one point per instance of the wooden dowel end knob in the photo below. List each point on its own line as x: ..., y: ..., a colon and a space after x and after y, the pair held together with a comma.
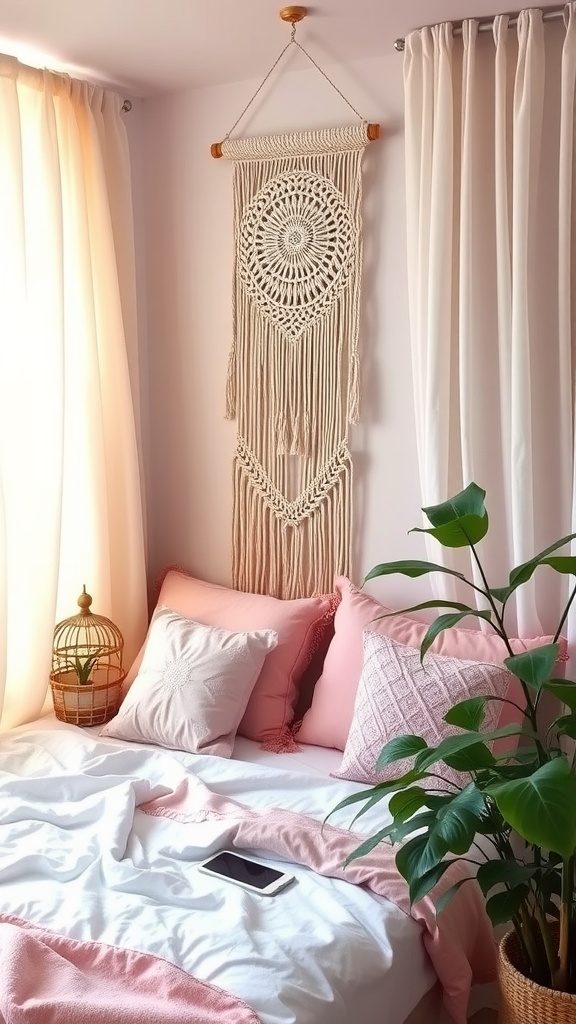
x: 373, y: 132
x: 216, y: 150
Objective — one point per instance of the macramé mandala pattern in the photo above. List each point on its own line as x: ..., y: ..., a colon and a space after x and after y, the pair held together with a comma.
x: 297, y: 245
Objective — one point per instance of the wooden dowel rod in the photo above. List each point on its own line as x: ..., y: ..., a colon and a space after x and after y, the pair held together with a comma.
x: 372, y: 130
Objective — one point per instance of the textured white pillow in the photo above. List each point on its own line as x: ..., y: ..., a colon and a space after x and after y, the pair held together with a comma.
x: 193, y: 685
x: 399, y: 695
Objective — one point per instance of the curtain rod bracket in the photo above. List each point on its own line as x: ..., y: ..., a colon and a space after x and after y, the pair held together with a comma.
x: 127, y: 106
x: 399, y: 45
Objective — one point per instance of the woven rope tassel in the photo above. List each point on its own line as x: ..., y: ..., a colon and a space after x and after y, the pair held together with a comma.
x: 293, y: 370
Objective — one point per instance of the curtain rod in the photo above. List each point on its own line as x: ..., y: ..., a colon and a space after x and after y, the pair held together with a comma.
x: 485, y: 24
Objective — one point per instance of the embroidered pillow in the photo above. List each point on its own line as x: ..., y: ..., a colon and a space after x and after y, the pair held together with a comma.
x: 192, y: 686
x: 398, y: 695
x: 327, y: 723
x: 300, y: 624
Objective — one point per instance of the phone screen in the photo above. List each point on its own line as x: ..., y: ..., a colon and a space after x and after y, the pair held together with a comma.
x: 229, y: 865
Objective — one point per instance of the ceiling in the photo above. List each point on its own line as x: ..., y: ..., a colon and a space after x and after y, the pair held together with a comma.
x: 147, y: 47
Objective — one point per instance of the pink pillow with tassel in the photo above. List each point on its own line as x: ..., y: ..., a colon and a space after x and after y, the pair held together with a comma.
x: 300, y: 625
x: 327, y: 723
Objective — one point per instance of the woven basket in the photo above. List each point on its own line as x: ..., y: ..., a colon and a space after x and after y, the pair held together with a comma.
x: 523, y: 1001
x: 92, y: 704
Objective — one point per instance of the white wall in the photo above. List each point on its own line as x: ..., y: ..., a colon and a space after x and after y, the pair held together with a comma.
x: 187, y: 215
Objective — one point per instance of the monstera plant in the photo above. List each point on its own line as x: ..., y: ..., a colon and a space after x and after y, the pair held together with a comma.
x: 522, y: 802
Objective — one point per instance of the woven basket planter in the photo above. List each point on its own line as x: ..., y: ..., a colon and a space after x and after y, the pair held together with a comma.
x: 91, y: 704
x: 523, y: 1001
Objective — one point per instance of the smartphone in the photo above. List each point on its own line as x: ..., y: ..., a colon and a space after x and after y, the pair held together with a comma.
x: 248, y: 873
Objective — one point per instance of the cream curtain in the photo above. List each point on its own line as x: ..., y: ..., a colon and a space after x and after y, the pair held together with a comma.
x: 70, y: 498
x: 490, y: 183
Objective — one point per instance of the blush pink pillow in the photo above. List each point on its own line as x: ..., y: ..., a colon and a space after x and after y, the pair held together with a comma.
x: 328, y: 720
x: 398, y: 695
x: 299, y: 624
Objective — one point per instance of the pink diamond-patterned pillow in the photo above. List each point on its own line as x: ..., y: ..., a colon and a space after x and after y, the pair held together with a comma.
x: 399, y: 695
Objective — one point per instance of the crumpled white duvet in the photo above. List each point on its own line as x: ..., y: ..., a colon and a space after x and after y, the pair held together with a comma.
x: 78, y: 856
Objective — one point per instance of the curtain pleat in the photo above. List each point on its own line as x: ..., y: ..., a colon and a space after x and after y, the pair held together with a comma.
x: 489, y: 140
x: 527, y: 132
x: 566, y: 290
x: 430, y: 203
x: 69, y: 476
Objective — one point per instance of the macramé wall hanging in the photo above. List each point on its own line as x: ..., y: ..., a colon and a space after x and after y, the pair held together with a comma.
x: 293, y: 374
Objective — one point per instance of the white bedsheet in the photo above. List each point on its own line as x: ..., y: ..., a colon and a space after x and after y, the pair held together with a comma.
x: 78, y: 856
x: 309, y: 760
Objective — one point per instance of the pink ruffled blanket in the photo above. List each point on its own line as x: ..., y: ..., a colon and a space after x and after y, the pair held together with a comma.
x: 50, y: 979
x: 460, y: 942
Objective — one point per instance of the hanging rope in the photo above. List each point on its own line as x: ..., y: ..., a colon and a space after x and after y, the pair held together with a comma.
x: 373, y: 130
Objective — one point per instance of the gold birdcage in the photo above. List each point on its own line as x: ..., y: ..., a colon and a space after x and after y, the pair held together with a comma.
x: 86, y: 677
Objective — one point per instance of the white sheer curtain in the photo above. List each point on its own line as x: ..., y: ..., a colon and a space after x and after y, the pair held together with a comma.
x: 490, y: 179
x: 70, y: 500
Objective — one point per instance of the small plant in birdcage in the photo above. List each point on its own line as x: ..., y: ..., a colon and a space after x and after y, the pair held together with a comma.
x: 87, y: 673
x: 82, y: 666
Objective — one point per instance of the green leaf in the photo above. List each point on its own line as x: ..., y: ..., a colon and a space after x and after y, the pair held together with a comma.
x: 446, y: 622
x: 416, y: 857
x: 565, y: 564
x: 399, y: 830
x: 382, y: 788
x: 399, y: 748
x: 407, y: 802
x: 502, y: 907
x: 453, y: 744
x: 534, y: 667
x: 566, y: 726
x: 457, y: 820
x: 507, y: 772
x: 368, y: 845
x: 500, y: 594
x: 409, y: 567
x: 522, y: 573
x: 371, y: 799
x: 473, y: 759
x: 422, y: 885
x: 460, y: 533
x: 551, y: 882
x: 467, y: 714
x: 469, y: 502
x: 504, y: 872
x: 446, y: 897
x: 429, y: 604
x: 564, y: 690
x: 541, y: 807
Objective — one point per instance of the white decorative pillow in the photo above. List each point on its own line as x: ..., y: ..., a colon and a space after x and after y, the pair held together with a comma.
x: 192, y: 686
x: 399, y: 695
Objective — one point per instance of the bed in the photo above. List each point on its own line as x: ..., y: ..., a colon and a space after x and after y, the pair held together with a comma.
x: 102, y: 830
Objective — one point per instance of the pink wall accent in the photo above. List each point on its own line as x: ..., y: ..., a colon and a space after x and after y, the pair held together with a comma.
x: 187, y: 212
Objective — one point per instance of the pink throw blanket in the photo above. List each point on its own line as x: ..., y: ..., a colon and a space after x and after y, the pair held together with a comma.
x: 460, y: 942
x: 50, y: 979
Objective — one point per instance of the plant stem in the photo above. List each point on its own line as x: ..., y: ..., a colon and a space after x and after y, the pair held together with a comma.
x: 534, y: 956
x: 521, y: 938
x: 549, y: 947
x: 530, y: 711
x: 562, y: 974
x: 565, y: 614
